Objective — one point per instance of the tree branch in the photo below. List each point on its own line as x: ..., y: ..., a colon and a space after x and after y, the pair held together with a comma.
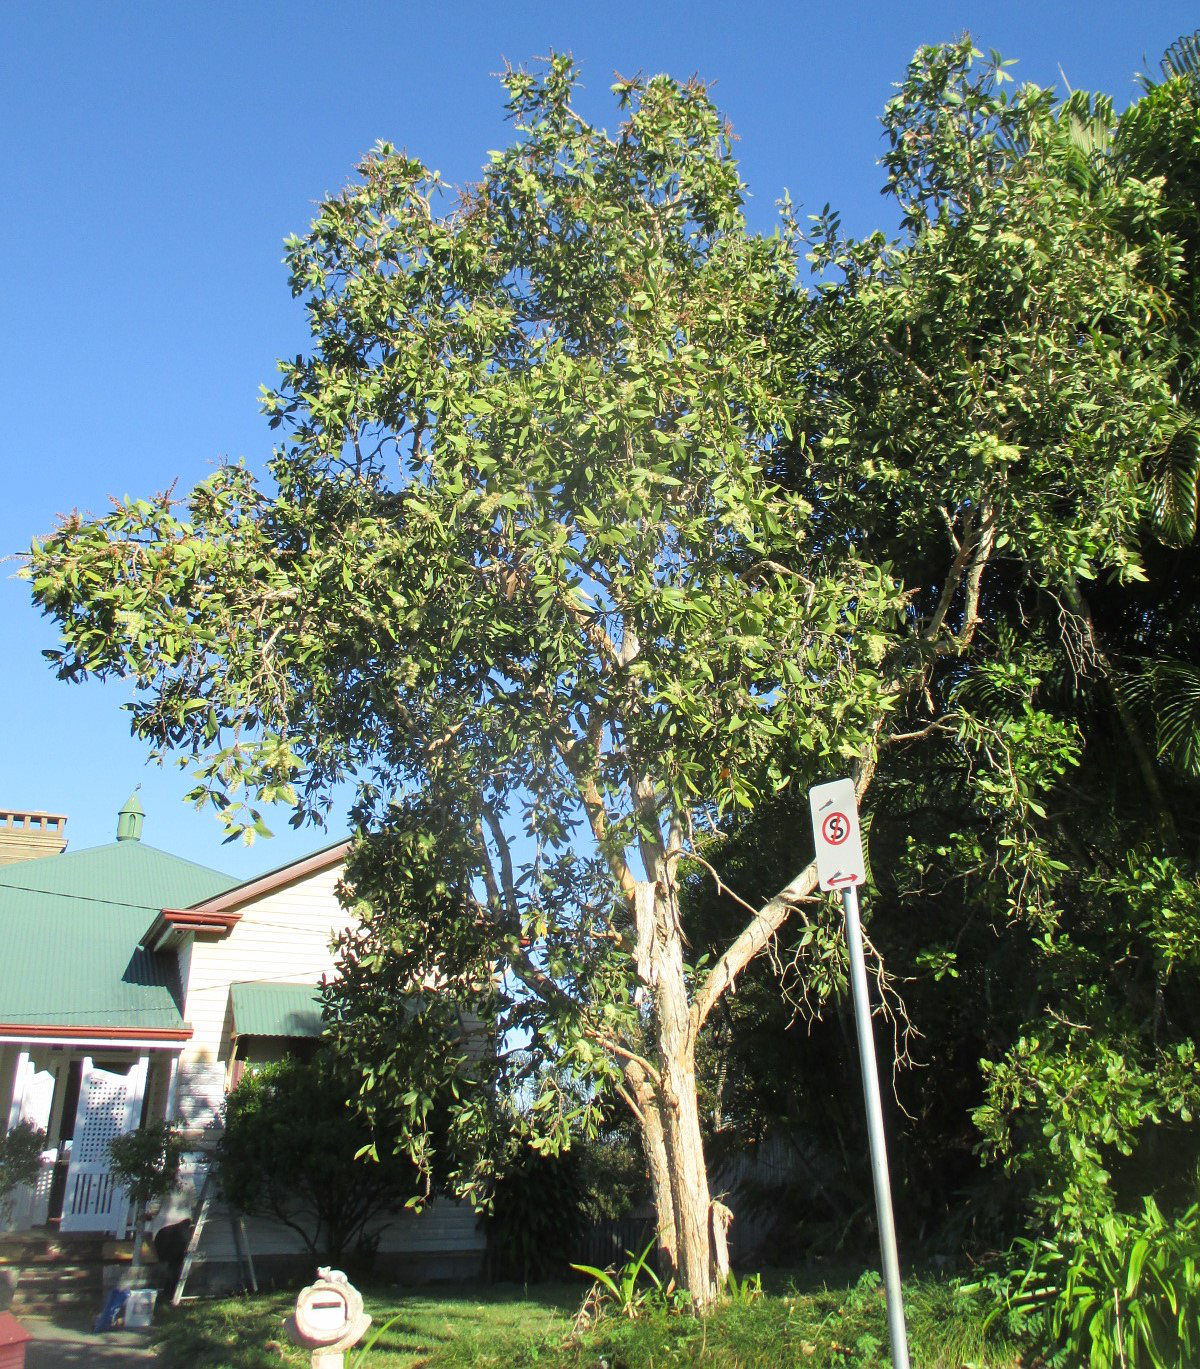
x: 754, y: 937
x: 766, y: 923
x: 507, y: 882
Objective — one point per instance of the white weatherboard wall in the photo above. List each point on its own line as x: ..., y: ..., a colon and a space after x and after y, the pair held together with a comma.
x: 284, y: 936
x: 447, y: 1232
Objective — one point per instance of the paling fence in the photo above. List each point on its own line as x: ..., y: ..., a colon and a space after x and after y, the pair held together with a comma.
x: 739, y: 1181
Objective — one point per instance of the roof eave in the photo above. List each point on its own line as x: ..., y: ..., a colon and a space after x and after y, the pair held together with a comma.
x: 63, y: 1033
x: 172, y: 925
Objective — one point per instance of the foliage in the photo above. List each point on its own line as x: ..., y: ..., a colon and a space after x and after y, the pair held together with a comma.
x: 145, y: 1162
x: 630, y: 1289
x: 290, y: 1150
x: 20, y: 1151
x: 1060, y: 1103
x: 1033, y: 839
x: 593, y: 540
x: 523, y: 572
x: 1126, y: 1291
x: 539, y: 1205
x: 613, y: 1171
x: 742, y: 1292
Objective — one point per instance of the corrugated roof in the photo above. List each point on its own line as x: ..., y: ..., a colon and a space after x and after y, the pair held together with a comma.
x: 127, y: 872
x: 273, y: 1009
x: 69, y: 932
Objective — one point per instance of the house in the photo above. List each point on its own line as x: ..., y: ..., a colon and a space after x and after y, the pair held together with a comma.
x: 135, y: 986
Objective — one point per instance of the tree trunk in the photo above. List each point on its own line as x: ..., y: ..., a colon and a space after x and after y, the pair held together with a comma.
x: 135, y: 1263
x: 680, y: 1108
x: 689, y: 1178
x: 654, y: 1145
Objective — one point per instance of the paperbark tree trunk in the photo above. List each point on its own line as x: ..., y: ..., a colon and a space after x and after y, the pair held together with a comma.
x: 654, y: 1145
x: 678, y: 1110
x: 689, y: 1177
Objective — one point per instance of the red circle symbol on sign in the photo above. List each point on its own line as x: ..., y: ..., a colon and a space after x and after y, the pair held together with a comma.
x: 835, y: 829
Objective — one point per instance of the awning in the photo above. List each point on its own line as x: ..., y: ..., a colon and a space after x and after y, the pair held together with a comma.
x: 273, y: 1009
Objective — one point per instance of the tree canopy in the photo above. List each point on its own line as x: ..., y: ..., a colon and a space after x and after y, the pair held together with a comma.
x: 524, y: 572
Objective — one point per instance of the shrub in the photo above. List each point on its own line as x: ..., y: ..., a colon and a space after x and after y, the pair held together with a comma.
x: 1127, y: 1292
x: 539, y: 1206
x: 292, y: 1150
x: 20, y: 1148
x: 145, y: 1162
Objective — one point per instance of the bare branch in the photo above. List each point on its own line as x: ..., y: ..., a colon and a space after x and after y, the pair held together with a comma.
x: 593, y: 804
x: 979, y: 559
x: 970, y: 560
x: 758, y: 933
x: 507, y: 882
x: 953, y: 580
x: 486, y: 866
x: 722, y: 887
x: 627, y: 1097
x: 938, y: 725
x: 551, y: 993
x: 767, y: 921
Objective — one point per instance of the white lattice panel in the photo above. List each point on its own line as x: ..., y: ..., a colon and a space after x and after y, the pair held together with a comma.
x: 103, y: 1101
x: 109, y: 1105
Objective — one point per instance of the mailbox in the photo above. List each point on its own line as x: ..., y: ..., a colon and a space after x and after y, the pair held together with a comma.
x: 328, y: 1319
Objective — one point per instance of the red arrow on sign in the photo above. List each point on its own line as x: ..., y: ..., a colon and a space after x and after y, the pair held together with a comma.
x: 836, y: 880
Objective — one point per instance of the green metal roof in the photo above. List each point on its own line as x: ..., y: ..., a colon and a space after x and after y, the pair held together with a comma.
x: 273, y: 1009
x: 69, y: 929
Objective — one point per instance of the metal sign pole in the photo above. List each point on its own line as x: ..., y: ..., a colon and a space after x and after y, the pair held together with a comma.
x: 879, y: 1164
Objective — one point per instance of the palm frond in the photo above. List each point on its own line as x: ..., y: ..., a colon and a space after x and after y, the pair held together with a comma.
x: 1182, y: 59
x: 1179, y: 715
x: 1174, y: 475
x: 1165, y: 694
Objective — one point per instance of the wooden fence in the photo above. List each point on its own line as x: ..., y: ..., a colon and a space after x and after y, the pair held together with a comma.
x: 751, y: 1234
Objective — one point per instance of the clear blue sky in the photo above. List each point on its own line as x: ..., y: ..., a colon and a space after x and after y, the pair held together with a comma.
x: 154, y: 156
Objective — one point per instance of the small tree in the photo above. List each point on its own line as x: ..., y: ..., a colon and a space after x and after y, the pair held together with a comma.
x: 145, y: 1162
x: 20, y: 1149
x: 290, y: 1150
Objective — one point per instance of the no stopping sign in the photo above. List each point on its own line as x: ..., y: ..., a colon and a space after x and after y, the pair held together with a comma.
x: 836, y: 833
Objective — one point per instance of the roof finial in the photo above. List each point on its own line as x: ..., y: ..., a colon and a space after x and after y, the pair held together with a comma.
x: 129, y: 820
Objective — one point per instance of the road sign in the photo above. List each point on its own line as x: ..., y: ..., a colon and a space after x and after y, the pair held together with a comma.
x: 840, y: 866
x: 840, y: 862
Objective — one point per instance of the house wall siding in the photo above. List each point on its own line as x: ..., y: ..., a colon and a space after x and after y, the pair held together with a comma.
x: 8, y: 1071
x: 445, y: 1227
x: 285, y: 936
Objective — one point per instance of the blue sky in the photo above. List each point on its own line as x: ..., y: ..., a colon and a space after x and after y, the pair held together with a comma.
x: 155, y: 155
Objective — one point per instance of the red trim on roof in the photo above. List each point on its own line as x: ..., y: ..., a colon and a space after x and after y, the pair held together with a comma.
x: 195, y: 920
x: 39, y: 1031
x: 188, y: 920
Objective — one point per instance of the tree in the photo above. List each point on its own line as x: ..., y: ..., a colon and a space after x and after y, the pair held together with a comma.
x: 1033, y: 837
x: 20, y: 1160
x: 521, y: 575
x: 552, y: 570
x: 145, y: 1162
x: 290, y: 1148
x: 1159, y: 137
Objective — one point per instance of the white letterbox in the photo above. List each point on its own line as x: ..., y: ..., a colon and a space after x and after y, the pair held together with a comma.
x: 328, y: 1318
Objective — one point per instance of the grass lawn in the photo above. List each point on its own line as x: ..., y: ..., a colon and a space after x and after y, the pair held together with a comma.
x: 797, y: 1322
